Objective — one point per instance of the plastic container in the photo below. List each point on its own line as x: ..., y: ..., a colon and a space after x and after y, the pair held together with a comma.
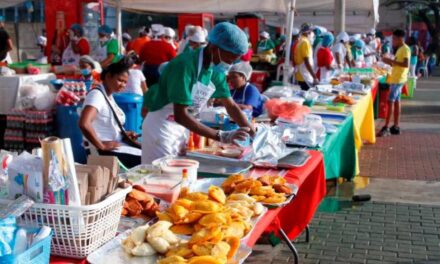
x: 174, y: 167
x: 131, y: 104
x: 37, y: 254
x: 77, y: 230
x: 411, y: 85
x: 67, y: 126
x: 164, y: 187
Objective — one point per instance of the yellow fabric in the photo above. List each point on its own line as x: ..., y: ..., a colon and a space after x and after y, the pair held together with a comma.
x: 303, y: 50
x: 400, y: 74
x: 364, y: 128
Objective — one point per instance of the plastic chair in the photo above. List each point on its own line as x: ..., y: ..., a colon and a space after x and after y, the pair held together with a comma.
x: 424, y: 68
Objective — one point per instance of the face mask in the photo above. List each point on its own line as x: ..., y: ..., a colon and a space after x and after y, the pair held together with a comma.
x: 311, y: 37
x: 221, y: 67
x: 103, y: 40
x: 86, y: 72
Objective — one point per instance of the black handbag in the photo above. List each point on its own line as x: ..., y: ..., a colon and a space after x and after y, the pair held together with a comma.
x: 125, y: 138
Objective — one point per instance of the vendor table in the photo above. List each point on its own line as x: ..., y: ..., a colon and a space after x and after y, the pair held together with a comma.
x: 375, y: 96
x: 289, y: 221
x: 363, y: 118
x: 10, y: 88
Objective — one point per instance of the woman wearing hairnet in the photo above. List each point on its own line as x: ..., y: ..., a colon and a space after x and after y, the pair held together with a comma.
x: 108, y: 48
x: 184, y: 88
x: 325, y: 60
x: 78, y: 46
x: 358, y: 53
x: 245, y: 94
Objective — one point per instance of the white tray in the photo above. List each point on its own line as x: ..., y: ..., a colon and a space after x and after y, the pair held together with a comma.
x: 112, y: 252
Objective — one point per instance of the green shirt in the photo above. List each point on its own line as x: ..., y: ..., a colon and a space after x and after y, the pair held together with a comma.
x: 177, y: 80
x: 265, y: 45
x: 112, y: 48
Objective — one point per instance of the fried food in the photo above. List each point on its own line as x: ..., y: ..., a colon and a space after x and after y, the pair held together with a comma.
x: 215, y: 193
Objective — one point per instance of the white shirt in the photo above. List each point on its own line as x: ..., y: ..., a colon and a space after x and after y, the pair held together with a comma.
x: 370, y: 59
x: 342, y: 50
x: 135, y: 78
x: 105, y: 125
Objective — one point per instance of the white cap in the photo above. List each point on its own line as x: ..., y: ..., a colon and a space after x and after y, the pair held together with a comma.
x: 357, y: 36
x: 264, y: 34
x: 188, y: 28
x: 295, y: 31
x: 242, y: 67
x: 352, y: 39
x: 169, y: 32
x: 343, y: 36
x: 42, y: 40
x: 126, y: 36
x: 142, y: 30
x: 157, y: 29
x: 198, y: 37
x: 372, y: 31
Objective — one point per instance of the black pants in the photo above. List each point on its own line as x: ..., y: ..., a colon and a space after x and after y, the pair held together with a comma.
x: 151, y: 73
x: 304, y: 86
x: 128, y: 160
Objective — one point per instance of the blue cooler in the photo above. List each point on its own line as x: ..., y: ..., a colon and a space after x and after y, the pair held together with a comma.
x: 67, y: 124
x: 131, y: 104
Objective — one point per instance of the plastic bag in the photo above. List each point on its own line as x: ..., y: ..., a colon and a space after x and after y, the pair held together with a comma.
x: 26, y: 177
x: 277, y: 108
x: 267, y: 146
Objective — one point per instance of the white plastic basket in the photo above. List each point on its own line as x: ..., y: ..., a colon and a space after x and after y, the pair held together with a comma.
x: 78, y: 230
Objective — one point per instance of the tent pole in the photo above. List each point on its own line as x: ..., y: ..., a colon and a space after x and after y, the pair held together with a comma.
x: 119, y: 24
x: 289, y: 27
x: 339, y: 19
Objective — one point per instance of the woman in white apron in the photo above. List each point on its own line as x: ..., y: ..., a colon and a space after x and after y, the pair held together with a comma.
x: 185, y: 87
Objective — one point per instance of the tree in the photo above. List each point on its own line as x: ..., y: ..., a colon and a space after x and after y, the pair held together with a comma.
x: 424, y: 9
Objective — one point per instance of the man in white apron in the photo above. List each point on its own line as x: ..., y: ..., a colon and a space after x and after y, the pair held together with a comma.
x: 303, y: 58
x: 185, y: 86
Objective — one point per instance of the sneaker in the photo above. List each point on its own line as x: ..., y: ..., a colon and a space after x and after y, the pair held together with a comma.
x: 384, y: 132
x: 395, y: 130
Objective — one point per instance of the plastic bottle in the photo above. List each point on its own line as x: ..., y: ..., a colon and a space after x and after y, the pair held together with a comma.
x: 185, y: 183
x: 20, y: 244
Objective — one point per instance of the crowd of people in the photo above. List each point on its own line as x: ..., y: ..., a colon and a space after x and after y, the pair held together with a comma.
x: 179, y: 78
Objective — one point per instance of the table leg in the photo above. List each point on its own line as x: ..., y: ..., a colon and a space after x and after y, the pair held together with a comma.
x: 290, y: 245
x: 307, y: 234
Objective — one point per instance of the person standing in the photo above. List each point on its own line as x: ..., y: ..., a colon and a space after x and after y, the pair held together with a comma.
x: 370, y: 50
x: 137, y: 44
x: 136, y: 80
x: 78, y: 46
x: 153, y: 54
x: 303, y: 58
x: 414, y: 56
x: 399, y: 76
x: 265, y: 44
x: 357, y: 50
x: 6, y: 45
x: 340, y: 50
x: 186, y: 85
x: 325, y: 60
x: 42, y: 43
x: 108, y: 48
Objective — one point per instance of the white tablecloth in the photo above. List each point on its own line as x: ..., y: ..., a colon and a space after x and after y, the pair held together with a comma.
x: 10, y: 88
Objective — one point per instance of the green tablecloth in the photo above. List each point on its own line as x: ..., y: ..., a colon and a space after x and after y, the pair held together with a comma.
x: 340, y: 152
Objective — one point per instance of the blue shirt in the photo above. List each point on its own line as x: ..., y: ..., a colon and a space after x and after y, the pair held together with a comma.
x: 249, y: 95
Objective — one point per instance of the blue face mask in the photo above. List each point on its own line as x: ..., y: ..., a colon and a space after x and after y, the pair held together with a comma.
x: 221, y: 67
x: 86, y: 72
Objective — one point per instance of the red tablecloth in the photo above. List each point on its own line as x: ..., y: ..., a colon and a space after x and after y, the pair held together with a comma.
x: 63, y: 260
x: 294, y: 218
x: 374, y: 89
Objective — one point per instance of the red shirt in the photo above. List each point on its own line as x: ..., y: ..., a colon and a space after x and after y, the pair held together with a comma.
x: 156, y: 52
x: 324, y: 57
x: 137, y: 44
x: 83, y: 46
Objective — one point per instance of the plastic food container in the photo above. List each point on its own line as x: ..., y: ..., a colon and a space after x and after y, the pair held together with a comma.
x: 174, y: 167
x: 164, y: 187
x: 36, y: 254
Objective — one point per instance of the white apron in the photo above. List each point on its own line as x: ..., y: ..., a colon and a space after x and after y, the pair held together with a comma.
x: 70, y: 57
x: 101, y: 52
x: 161, y: 135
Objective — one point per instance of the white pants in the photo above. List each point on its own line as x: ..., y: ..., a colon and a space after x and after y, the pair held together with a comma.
x: 161, y: 137
x: 412, y: 70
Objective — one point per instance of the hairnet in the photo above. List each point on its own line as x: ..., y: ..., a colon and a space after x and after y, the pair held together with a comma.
x: 295, y: 31
x: 317, y: 30
x: 359, y: 44
x: 126, y: 36
x: 264, y: 34
x: 78, y: 28
x: 242, y: 67
x: 327, y: 39
x: 142, y: 30
x: 104, y: 29
x: 169, y: 32
x: 198, y: 37
x: 343, y: 36
x: 89, y: 60
x: 229, y: 37
x: 372, y: 31
x: 306, y: 27
x: 42, y: 41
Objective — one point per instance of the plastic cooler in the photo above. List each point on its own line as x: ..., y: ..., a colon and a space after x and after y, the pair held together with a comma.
x: 67, y: 125
x: 131, y: 104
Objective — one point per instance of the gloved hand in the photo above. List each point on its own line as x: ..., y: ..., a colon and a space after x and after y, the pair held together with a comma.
x: 231, y: 136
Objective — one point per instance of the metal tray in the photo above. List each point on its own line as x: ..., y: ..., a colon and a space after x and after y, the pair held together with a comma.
x: 112, y: 252
x: 219, y: 168
x: 296, y: 159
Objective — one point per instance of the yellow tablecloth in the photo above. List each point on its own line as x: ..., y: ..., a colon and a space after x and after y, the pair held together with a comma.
x: 363, y: 124
x: 363, y: 118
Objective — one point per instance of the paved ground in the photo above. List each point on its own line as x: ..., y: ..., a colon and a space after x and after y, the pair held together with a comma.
x: 402, y: 222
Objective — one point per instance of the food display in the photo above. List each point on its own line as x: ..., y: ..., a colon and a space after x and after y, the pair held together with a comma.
x: 345, y: 99
x: 265, y: 189
x: 139, y: 203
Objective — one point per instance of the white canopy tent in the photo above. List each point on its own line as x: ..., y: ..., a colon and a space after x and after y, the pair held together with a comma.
x: 279, y: 8
x: 9, y: 3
